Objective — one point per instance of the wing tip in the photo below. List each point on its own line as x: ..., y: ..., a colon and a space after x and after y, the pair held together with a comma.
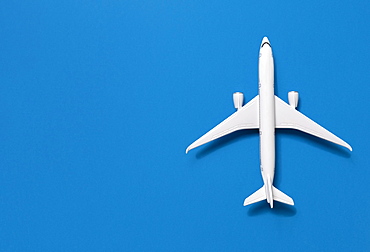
x: 246, y: 202
x: 188, y: 149
x: 347, y: 146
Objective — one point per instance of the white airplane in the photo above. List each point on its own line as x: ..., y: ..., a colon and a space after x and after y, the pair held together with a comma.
x: 267, y: 112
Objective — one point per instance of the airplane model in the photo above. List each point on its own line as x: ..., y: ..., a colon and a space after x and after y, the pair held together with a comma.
x: 267, y: 112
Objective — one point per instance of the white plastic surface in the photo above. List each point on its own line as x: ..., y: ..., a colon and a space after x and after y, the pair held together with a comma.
x: 289, y: 118
x: 238, y: 98
x: 267, y: 112
x: 282, y: 197
x: 293, y: 98
x: 244, y: 118
x: 258, y: 195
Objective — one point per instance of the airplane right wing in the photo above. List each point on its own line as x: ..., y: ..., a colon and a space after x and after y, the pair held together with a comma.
x: 246, y: 117
x: 286, y: 117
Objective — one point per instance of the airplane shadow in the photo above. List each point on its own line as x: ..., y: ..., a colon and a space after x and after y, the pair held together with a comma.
x: 307, y: 139
x: 280, y: 209
x: 317, y: 142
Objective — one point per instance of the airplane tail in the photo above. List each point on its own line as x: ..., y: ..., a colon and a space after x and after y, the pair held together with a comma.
x: 282, y: 197
x: 266, y: 193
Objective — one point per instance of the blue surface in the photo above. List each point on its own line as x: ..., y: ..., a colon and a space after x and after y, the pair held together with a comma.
x: 99, y: 100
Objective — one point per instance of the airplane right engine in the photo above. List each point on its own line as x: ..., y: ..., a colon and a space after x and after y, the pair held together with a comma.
x: 293, y: 98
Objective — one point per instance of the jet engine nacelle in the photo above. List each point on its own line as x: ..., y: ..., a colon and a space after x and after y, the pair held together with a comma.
x: 293, y: 98
x: 238, y: 98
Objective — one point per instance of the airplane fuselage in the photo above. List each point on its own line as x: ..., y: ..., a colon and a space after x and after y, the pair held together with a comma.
x: 267, y: 117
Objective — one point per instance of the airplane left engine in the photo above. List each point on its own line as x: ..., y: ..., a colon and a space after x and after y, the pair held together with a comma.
x: 238, y: 98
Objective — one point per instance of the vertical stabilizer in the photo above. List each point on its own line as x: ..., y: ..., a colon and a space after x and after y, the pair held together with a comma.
x: 269, y: 193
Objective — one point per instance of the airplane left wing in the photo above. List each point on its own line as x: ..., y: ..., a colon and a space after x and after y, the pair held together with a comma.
x: 287, y: 117
x: 246, y: 117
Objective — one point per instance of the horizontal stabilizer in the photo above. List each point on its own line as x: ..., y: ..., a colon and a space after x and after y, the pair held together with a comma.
x: 259, y: 195
x: 281, y: 197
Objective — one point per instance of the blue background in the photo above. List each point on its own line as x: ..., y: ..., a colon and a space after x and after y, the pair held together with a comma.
x: 99, y: 99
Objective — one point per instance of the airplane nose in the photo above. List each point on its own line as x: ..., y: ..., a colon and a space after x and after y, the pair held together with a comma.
x: 265, y: 40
